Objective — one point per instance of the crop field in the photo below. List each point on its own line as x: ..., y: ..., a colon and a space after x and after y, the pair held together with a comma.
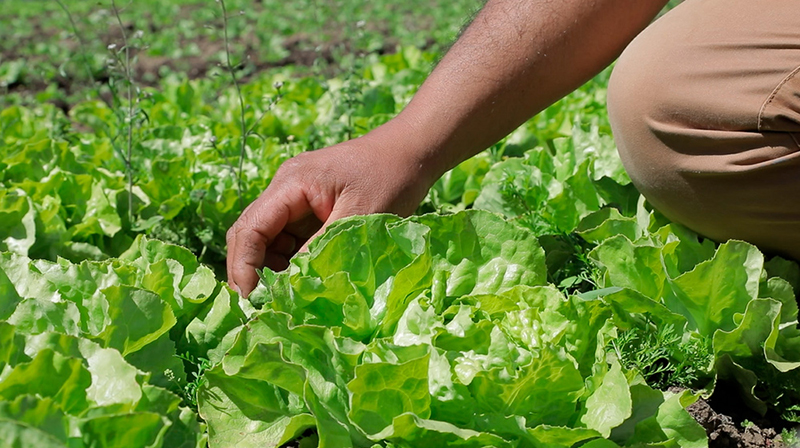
x: 535, y: 300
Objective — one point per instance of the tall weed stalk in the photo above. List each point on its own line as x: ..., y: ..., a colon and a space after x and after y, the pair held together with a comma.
x: 232, y: 71
x: 126, y: 67
x: 245, y: 130
x: 122, y: 56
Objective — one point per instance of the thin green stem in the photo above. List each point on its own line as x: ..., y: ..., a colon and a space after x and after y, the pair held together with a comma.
x: 81, y: 43
x: 129, y: 79
x: 272, y: 103
x: 232, y: 71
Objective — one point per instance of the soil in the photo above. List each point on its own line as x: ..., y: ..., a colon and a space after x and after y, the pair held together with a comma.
x: 724, y: 432
x: 300, y: 49
x: 738, y: 426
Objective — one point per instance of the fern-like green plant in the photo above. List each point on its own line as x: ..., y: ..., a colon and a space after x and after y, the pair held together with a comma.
x: 663, y: 357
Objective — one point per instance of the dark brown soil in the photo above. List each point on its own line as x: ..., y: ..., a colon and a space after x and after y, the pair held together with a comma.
x: 731, y: 424
x: 724, y: 432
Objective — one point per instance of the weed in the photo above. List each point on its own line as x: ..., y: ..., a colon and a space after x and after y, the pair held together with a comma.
x: 354, y: 83
x: 196, y: 367
x: 232, y: 71
x: 781, y: 390
x: 568, y: 266
x: 122, y: 56
x: 663, y: 357
x: 245, y: 130
x: 351, y: 92
x: 4, y: 96
x: 791, y: 437
x: 522, y: 194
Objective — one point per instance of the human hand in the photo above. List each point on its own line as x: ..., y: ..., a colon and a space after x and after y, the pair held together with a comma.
x: 370, y: 174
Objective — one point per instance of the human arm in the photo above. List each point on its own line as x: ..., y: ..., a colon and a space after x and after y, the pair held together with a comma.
x: 515, y: 59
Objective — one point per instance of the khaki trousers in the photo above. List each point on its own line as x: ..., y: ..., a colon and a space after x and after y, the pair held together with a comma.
x: 705, y: 110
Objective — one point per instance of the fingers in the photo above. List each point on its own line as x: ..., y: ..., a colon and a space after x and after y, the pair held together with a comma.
x: 304, y: 247
x: 336, y: 213
x: 276, y: 262
x: 272, y: 227
x: 295, y: 208
x: 256, y: 230
x: 303, y: 228
x: 280, y: 251
x: 283, y: 244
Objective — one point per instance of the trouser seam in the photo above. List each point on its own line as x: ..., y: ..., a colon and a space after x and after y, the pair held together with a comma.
x: 772, y: 97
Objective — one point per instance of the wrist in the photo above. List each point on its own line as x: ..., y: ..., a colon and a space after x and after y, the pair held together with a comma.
x: 415, y: 151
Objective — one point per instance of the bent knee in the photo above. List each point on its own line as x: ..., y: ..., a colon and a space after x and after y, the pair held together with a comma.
x: 719, y: 66
x: 689, y: 103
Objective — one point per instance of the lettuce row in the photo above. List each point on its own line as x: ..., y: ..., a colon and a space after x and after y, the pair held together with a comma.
x: 88, y: 351
x: 429, y: 331
x: 73, y: 201
x: 656, y: 274
x: 394, y: 332
x: 59, y: 390
x: 63, y: 179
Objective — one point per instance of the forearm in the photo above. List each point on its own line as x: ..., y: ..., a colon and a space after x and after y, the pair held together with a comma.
x: 515, y: 59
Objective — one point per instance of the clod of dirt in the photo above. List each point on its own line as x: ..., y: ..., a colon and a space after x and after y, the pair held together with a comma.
x: 723, y: 432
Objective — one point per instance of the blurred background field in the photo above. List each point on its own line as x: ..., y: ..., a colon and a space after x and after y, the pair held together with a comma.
x: 48, y: 54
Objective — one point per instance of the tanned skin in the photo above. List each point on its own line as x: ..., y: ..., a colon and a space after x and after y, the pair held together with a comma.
x: 516, y: 58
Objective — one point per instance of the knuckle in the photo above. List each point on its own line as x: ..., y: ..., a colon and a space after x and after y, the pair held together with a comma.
x: 292, y: 166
